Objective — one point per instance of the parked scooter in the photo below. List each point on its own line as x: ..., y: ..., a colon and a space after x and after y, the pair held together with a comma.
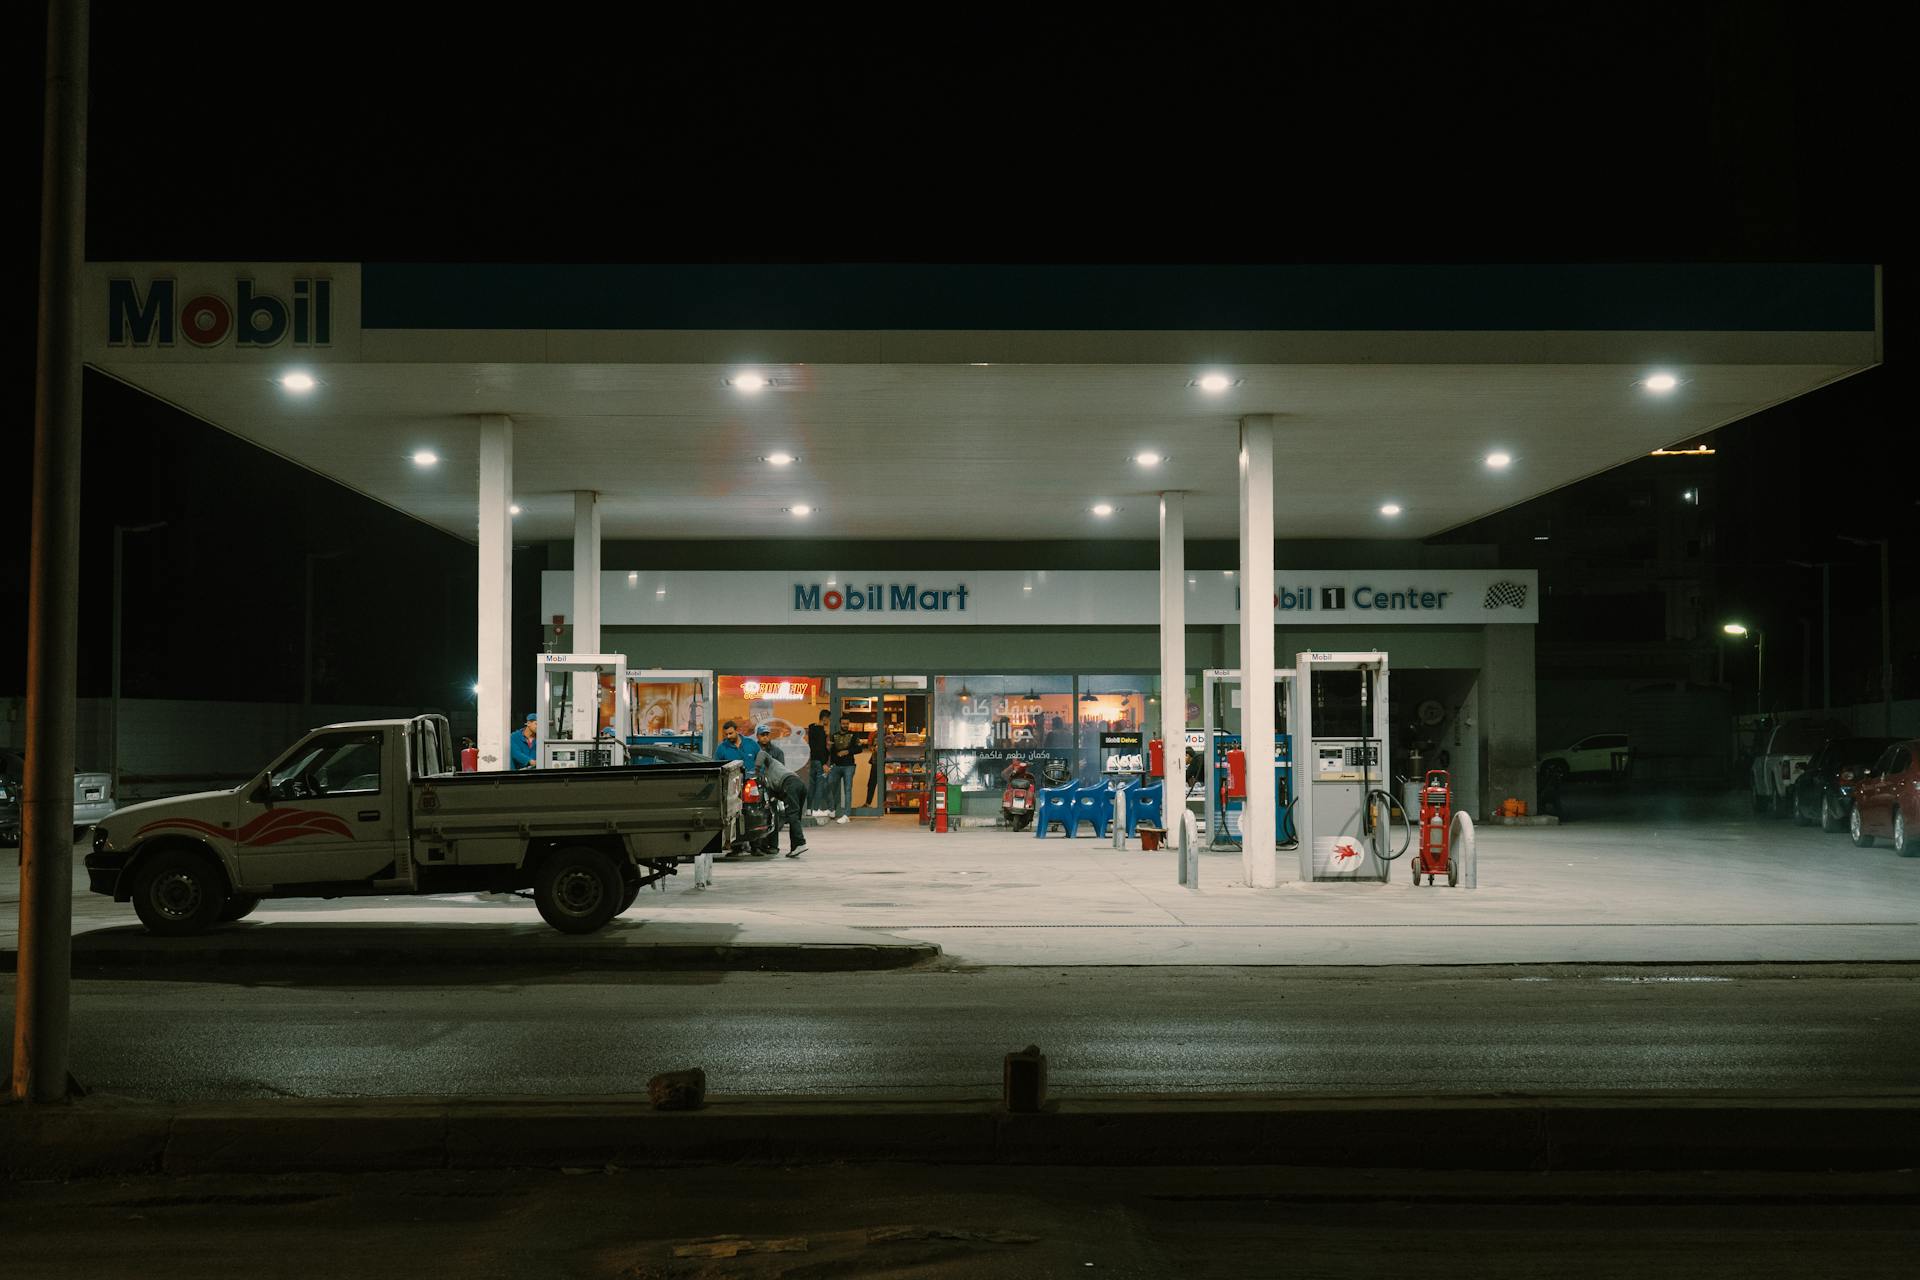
x: 1021, y: 797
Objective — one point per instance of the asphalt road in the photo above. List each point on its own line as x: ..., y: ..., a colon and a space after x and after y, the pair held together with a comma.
x: 893, y: 1221
x: 1820, y: 1029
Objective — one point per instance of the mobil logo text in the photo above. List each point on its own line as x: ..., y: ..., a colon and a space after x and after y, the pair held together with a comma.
x: 878, y: 597
x: 1304, y: 598
x: 157, y: 316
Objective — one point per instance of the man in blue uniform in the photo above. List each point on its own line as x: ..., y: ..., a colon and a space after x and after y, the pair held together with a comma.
x: 520, y: 754
x: 734, y: 747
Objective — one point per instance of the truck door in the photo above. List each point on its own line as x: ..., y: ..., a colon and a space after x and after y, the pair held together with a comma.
x: 330, y: 811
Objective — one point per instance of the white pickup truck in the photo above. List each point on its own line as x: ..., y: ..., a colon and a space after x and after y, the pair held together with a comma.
x: 375, y: 808
x: 1781, y: 755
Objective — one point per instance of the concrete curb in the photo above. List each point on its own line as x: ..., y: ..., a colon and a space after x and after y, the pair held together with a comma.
x: 103, y: 1136
x: 123, y: 952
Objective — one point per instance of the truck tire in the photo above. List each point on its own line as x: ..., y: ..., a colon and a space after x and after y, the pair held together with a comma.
x: 628, y: 894
x: 178, y: 893
x: 578, y: 890
x: 238, y: 907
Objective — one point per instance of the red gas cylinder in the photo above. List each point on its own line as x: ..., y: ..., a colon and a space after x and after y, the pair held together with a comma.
x: 1156, y: 759
x: 1236, y: 774
x: 940, y: 801
x: 470, y: 760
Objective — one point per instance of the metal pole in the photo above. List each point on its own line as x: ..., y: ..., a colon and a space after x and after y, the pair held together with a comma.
x: 45, y: 965
x: 1806, y: 663
x: 306, y: 654
x: 1759, y: 671
x: 1826, y: 635
x: 1886, y: 638
x: 113, y: 726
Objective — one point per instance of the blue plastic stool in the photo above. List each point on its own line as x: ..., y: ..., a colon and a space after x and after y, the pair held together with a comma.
x: 1056, y: 805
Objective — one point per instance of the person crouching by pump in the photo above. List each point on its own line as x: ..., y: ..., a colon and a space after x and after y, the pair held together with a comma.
x: 778, y: 780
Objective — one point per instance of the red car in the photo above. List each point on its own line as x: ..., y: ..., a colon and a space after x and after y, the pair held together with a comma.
x: 1886, y: 802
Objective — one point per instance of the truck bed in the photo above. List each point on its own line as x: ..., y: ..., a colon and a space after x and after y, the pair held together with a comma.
x: 662, y: 812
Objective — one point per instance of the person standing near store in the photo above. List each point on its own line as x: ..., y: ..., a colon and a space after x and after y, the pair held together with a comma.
x: 520, y: 751
x: 843, y: 749
x: 734, y: 747
x: 764, y: 737
x: 777, y: 779
x: 817, y: 766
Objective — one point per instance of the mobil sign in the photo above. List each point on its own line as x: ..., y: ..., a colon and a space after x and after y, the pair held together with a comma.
x: 210, y: 309
x: 250, y: 316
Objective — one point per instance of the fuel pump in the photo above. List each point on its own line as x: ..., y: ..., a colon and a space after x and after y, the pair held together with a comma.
x: 1344, y: 808
x: 569, y: 734
x: 1220, y: 699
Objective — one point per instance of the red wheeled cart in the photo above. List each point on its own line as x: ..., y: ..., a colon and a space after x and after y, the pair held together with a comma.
x: 1436, y: 829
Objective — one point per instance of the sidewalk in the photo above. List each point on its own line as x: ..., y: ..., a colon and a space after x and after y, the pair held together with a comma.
x: 1718, y: 887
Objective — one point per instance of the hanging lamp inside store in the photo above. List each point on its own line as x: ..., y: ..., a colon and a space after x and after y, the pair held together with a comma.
x: 1032, y: 696
x: 1088, y: 697
x: 965, y: 694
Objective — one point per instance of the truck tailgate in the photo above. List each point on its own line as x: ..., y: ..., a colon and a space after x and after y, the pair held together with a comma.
x: 661, y: 811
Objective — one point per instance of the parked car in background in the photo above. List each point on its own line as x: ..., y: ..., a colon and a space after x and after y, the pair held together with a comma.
x: 1783, y: 757
x: 1886, y: 803
x: 92, y: 798
x: 1594, y: 755
x: 1823, y: 792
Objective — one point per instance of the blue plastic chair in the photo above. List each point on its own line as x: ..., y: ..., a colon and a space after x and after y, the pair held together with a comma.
x: 1092, y: 804
x: 1142, y: 803
x: 1056, y: 805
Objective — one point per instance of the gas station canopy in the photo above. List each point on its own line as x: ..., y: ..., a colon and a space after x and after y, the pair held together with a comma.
x: 945, y: 402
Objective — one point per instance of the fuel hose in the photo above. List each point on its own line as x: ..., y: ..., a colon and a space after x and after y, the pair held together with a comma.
x: 1406, y: 826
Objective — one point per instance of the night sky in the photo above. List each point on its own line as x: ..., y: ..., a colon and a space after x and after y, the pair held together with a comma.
x: 1634, y: 132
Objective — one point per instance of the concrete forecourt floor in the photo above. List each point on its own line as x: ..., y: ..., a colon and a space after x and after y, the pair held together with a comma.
x: 1703, y: 884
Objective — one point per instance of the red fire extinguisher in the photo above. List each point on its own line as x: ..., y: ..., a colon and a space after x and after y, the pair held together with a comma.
x: 940, y: 801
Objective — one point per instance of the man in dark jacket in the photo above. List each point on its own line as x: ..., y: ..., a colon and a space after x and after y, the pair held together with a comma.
x: 817, y: 766
x: 778, y: 780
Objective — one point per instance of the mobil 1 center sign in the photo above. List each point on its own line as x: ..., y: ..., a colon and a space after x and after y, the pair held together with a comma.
x: 1051, y: 598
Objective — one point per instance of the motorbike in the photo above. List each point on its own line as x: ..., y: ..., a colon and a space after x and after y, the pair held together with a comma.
x: 1021, y: 797
x: 764, y: 813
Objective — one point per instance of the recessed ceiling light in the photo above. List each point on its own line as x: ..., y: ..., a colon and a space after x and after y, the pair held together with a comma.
x: 1027, y: 587
x: 801, y: 510
x: 659, y: 591
x: 298, y: 383
x: 778, y: 459
x: 1149, y: 458
x: 1498, y: 461
x: 514, y: 510
x: 981, y: 364
x: 1539, y: 537
x: 1391, y: 509
x: 633, y: 579
x: 1213, y: 383
x: 1103, y: 508
x: 425, y: 457
x: 748, y: 382
x: 1661, y: 383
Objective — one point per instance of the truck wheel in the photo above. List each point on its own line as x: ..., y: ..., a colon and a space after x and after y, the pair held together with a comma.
x: 238, y: 907
x: 628, y: 894
x: 1860, y: 839
x: 178, y: 893
x: 578, y: 890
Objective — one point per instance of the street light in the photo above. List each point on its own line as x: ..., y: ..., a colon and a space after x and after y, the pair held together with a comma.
x: 113, y: 728
x: 1760, y: 659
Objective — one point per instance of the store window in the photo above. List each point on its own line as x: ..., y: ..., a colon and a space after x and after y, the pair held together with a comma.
x: 788, y: 703
x: 983, y: 722
x: 1113, y: 707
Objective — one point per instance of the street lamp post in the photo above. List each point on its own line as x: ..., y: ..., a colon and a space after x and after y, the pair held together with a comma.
x: 113, y: 726
x: 1759, y: 661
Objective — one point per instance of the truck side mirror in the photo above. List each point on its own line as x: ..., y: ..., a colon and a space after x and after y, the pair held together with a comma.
x: 262, y: 794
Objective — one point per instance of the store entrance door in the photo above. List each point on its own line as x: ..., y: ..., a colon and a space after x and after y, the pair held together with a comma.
x: 892, y: 715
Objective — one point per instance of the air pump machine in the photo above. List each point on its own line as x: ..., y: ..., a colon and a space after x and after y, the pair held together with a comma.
x: 1344, y: 810
x: 572, y: 728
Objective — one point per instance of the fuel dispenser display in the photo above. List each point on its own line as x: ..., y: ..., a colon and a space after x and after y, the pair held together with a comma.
x: 1345, y: 806
x: 583, y: 698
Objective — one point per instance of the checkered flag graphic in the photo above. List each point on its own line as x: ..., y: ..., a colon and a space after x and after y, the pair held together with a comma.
x: 1506, y: 595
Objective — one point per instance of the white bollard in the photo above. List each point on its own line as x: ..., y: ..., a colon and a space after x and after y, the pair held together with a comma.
x: 1189, y: 844
x: 1461, y: 845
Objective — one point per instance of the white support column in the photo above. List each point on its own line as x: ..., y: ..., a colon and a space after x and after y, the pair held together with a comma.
x: 1256, y: 649
x: 586, y: 609
x: 1173, y: 658
x: 493, y: 671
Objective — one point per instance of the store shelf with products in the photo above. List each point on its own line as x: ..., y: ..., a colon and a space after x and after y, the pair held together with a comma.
x: 906, y: 773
